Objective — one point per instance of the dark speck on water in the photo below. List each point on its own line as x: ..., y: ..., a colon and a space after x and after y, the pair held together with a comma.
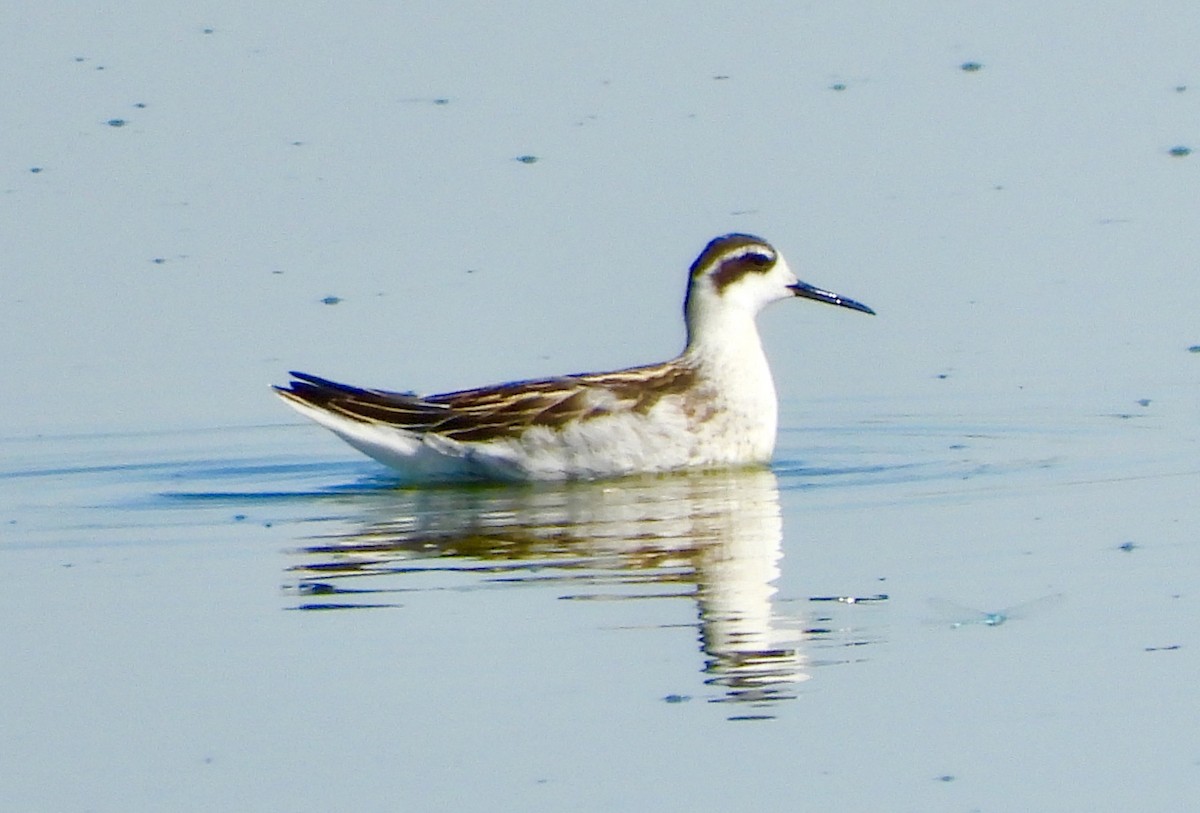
x: 1144, y: 402
x: 527, y: 159
x: 331, y: 300
x: 971, y: 67
x: 441, y: 101
x: 1180, y: 151
x: 316, y: 589
x: 116, y: 122
x: 159, y: 260
x: 35, y: 170
x: 1195, y: 348
x: 1127, y: 546
x: 838, y: 86
x: 676, y: 698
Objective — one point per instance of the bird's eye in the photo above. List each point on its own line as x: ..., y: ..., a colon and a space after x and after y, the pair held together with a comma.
x: 760, y: 260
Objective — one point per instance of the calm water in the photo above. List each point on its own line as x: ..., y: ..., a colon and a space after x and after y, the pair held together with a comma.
x: 252, y: 617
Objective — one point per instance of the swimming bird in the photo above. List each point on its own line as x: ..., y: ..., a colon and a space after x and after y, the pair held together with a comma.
x: 713, y: 405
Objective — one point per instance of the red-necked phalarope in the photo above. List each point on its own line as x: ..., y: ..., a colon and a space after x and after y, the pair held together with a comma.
x: 712, y: 406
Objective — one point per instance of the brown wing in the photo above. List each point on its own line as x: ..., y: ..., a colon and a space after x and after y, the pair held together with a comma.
x: 502, y: 411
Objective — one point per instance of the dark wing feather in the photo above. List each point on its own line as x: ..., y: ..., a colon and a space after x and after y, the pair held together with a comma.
x: 502, y: 411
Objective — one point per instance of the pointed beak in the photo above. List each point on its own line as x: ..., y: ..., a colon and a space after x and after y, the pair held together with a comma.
x: 812, y: 292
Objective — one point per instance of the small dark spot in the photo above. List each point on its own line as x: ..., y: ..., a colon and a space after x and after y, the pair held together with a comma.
x: 527, y: 159
x: 331, y: 300
x: 116, y: 122
x: 1180, y: 151
x: 277, y: 272
x: 1144, y: 402
x: 441, y: 101
x: 1168, y: 648
x: 159, y: 260
x: 471, y: 270
x: 942, y: 376
x: 140, y: 105
x: 99, y: 67
x: 316, y: 589
x: 1127, y: 546
x: 81, y: 59
x: 239, y: 517
x: 35, y: 170
x: 971, y: 67
x: 721, y: 76
x: 297, y: 143
x: 1195, y: 348
x: 676, y: 698
x: 946, y: 777
x: 208, y: 30
x: 838, y: 86
x: 1180, y: 88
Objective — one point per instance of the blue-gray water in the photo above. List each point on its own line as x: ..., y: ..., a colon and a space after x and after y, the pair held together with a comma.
x: 208, y: 606
x: 253, y: 617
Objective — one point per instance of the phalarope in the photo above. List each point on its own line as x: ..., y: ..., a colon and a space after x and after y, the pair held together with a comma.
x: 713, y: 405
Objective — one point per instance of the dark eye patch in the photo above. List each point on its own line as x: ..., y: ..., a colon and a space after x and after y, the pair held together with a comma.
x: 734, y: 269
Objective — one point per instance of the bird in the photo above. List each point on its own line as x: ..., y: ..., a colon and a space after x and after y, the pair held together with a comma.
x: 712, y: 406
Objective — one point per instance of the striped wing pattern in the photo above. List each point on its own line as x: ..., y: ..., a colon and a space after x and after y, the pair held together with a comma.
x: 502, y: 411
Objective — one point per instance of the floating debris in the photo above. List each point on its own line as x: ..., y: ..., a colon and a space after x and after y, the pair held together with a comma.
x: 331, y: 300
x: 35, y: 170
x: 1168, y: 648
x: 1180, y: 151
x: 315, y: 589
x: 960, y: 616
x: 971, y: 67
x: 527, y: 159
x: 852, y: 599
x: 116, y: 122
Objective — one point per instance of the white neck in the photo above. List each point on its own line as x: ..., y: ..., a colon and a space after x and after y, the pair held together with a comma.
x: 723, y: 344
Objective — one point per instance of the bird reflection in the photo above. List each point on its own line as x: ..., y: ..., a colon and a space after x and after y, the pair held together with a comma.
x: 714, y: 538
